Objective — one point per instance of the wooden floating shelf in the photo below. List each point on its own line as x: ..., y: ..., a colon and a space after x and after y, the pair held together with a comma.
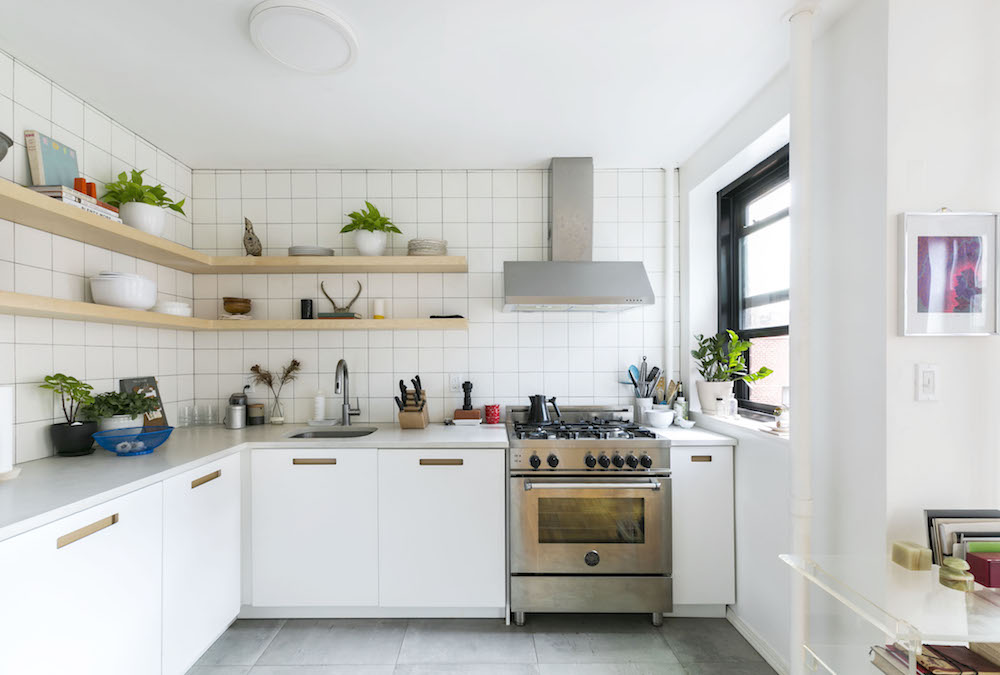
x: 27, y: 207
x: 37, y: 305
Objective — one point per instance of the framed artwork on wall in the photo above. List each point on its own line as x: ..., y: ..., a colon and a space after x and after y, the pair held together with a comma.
x: 948, y: 273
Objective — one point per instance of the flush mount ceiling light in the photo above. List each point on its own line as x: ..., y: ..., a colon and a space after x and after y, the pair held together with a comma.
x: 305, y: 35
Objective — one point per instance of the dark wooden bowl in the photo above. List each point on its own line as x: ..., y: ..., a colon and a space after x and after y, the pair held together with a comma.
x: 236, y: 305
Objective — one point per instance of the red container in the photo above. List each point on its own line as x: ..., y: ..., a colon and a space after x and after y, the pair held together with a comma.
x: 493, y: 413
x: 985, y: 567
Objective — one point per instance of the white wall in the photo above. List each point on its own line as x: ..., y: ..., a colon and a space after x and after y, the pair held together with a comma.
x: 943, y: 150
x: 36, y: 262
x: 488, y: 216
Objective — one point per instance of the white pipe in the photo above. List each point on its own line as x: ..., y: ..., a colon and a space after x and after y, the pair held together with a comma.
x: 800, y: 322
x: 669, y: 271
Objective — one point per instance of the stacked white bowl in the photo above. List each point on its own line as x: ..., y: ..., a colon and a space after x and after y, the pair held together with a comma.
x: 120, y: 289
x: 173, y: 307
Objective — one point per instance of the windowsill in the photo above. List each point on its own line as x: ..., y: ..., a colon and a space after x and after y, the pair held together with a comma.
x: 732, y: 427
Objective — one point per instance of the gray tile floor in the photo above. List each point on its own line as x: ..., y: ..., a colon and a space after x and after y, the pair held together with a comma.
x: 550, y: 644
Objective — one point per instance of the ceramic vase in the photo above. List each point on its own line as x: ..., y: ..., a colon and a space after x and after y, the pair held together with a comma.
x: 144, y: 217
x: 370, y: 243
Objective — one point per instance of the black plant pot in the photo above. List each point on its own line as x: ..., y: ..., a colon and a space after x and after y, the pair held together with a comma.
x: 73, y: 440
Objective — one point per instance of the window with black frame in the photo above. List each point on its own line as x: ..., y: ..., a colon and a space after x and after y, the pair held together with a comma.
x: 754, y: 272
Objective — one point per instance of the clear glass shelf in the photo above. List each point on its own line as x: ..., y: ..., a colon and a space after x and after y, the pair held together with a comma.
x: 909, y: 607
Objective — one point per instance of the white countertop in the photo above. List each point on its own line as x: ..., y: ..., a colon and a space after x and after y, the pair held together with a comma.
x: 693, y: 436
x: 54, y: 487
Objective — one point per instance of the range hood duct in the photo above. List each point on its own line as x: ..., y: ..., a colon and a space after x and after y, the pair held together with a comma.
x: 571, y: 280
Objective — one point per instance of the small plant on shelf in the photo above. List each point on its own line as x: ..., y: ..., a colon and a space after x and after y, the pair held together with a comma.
x: 139, y: 205
x: 73, y: 437
x: 371, y: 229
x: 276, y: 383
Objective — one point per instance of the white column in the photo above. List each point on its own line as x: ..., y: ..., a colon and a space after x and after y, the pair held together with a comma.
x: 669, y: 272
x: 800, y: 323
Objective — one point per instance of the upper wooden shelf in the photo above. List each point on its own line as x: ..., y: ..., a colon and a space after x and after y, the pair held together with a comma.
x: 27, y: 207
x: 36, y: 305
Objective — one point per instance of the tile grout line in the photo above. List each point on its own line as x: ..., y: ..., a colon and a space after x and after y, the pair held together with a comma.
x: 273, y: 637
x: 399, y: 650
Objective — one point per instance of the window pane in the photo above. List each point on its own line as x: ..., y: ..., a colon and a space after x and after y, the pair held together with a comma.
x: 769, y: 203
x: 563, y: 520
x: 765, y: 316
x: 773, y: 353
x: 765, y: 256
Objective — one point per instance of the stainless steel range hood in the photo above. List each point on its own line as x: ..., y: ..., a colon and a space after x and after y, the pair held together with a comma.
x: 571, y: 280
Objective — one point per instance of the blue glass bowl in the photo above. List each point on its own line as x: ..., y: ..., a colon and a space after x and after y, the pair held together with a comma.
x: 132, y: 441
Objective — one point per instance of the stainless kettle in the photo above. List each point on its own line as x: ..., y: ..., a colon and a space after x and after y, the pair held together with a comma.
x: 539, y: 412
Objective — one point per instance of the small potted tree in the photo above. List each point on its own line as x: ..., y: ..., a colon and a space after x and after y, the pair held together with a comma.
x: 72, y: 437
x: 371, y: 229
x: 140, y: 206
x: 119, y: 409
x: 721, y: 361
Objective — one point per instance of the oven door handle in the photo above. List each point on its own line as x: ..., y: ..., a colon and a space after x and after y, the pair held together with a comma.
x: 546, y: 485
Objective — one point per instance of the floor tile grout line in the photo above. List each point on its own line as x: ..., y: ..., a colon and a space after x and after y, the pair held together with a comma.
x: 273, y: 637
x: 399, y: 650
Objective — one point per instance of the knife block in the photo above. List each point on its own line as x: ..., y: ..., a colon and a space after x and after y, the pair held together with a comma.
x: 414, y: 416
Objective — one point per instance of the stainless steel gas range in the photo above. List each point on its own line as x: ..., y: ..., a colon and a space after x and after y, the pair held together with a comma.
x: 589, y: 498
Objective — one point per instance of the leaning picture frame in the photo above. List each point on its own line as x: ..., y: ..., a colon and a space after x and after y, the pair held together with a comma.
x: 948, y: 274
x: 148, y: 387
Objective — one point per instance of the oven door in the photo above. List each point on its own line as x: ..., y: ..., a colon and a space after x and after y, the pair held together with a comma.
x: 589, y: 524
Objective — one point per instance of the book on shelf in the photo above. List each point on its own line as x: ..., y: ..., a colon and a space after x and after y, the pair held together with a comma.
x: 50, y: 161
x: 78, y: 199
x: 935, y: 660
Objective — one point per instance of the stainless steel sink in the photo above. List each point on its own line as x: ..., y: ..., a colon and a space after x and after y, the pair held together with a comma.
x: 338, y: 432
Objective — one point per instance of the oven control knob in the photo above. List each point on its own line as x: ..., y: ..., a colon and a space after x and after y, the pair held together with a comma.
x: 535, y: 461
x: 632, y: 461
x: 590, y: 461
x: 646, y: 461
x: 592, y: 558
x: 618, y: 460
x: 604, y: 461
x: 553, y: 461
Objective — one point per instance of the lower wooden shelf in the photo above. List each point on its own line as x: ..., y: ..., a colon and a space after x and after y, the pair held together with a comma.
x: 37, y: 305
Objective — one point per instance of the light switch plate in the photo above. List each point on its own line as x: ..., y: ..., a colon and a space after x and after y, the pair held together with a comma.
x: 926, y: 382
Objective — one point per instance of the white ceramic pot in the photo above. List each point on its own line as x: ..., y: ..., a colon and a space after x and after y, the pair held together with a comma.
x: 145, y: 217
x: 370, y: 243
x: 709, y: 391
x: 118, y: 422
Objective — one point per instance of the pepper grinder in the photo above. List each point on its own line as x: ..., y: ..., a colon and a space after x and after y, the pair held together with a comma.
x: 467, y: 413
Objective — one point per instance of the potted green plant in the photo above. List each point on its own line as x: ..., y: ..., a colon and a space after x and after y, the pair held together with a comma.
x: 721, y: 361
x: 119, y: 409
x: 73, y: 437
x: 140, y: 206
x: 371, y: 229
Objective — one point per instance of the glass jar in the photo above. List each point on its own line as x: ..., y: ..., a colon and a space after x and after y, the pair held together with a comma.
x: 277, y: 412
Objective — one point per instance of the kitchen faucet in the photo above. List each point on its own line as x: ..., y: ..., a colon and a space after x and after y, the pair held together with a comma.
x: 344, y: 376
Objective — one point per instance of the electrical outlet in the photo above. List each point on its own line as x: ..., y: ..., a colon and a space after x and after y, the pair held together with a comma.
x: 248, y: 381
x: 455, y: 382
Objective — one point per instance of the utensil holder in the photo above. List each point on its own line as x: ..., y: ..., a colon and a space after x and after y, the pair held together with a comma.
x: 414, y: 416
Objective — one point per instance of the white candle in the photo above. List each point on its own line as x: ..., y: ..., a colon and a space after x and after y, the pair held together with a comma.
x: 379, y: 309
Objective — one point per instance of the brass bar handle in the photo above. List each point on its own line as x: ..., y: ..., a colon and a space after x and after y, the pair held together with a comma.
x: 86, y: 530
x: 314, y: 460
x: 204, y: 479
x: 701, y: 458
x: 442, y: 462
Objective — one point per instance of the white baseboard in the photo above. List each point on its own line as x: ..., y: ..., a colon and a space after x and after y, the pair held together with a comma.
x: 698, y: 611
x: 767, y: 652
x: 250, y: 612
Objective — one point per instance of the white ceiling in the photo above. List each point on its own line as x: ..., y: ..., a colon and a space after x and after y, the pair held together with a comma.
x: 437, y: 83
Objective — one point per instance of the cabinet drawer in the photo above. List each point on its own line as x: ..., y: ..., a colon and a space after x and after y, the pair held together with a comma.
x: 201, y: 559
x: 441, y: 528
x: 83, y: 594
x: 315, y: 527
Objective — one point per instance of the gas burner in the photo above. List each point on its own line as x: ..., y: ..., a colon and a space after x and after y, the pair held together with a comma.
x: 595, y: 429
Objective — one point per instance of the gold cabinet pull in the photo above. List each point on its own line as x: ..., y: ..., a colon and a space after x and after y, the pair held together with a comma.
x: 442, y: 462
x: 86, y: 530
x: 314, y: 460
x: 204, y: 479
x: 701, y: 458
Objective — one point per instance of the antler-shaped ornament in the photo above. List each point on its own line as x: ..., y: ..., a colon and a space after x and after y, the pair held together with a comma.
x: 337, y: 308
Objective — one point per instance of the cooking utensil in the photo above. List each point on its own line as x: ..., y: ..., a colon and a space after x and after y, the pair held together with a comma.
x: 642, y: 373
x: 420, y: 385
x: 651, y: 380
x: 416, y: 389
x: 631, y: 376
x: 539, y: 411
x: 634, y: 372
x: 402, y: 390
x: 399, y: 403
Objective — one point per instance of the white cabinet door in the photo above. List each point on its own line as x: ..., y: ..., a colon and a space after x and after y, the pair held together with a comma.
x: 441, y: 528
x: 315, y: 527
x: 201, y: 560
x: 82, y: 595
x: 704, y: 553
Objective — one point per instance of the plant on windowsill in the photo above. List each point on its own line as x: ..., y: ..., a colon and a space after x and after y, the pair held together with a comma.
x: 119, y: 409
x: 371, y: 229
x: 140, y: 206
x: 73, y: 437
x: 722, y: 361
